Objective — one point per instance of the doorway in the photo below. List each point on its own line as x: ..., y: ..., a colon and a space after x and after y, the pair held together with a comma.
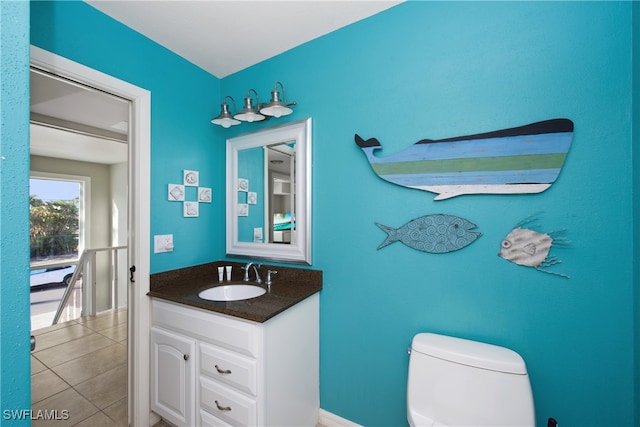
x: 79, y: 133
x: 137, y: 229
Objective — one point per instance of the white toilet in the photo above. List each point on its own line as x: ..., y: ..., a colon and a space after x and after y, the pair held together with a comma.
x: 457, y: 382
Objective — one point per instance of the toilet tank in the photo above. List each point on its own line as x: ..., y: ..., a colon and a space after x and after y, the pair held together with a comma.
x: 457, y: 382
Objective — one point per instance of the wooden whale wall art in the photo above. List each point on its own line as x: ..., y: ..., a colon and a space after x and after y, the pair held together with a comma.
x: 525, y: 159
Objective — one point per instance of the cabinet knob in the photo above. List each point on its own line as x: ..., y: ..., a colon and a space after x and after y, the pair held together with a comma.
x: 223, y: 408
x: 186, y: 357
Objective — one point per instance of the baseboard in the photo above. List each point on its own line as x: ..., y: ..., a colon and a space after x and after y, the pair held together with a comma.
x: 327, y: 419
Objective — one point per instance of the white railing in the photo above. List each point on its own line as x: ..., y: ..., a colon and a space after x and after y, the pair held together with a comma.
x: 87, y: 271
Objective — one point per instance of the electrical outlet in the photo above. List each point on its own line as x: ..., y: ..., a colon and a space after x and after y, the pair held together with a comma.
x: 162, y: 243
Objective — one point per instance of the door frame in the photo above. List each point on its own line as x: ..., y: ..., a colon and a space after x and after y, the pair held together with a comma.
x: 139, y: 216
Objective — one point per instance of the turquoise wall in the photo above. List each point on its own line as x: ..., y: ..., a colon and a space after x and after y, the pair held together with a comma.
x: 636, y: 194
x: 442, y: 69
x: 15, y: 392
x: 251, y: 168
x: 421, y: 70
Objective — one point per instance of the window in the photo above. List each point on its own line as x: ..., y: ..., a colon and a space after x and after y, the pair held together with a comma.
x: 56, y: 219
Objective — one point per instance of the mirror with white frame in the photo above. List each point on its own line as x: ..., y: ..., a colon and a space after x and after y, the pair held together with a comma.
x: 269, y: 193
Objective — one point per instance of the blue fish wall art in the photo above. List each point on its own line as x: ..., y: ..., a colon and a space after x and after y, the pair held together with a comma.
x: 438, y: 233
x: 525, y: 159
x: 530, y: 248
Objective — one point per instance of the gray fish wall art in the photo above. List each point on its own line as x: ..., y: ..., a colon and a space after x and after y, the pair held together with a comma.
x: 529, y: 248
x: 438, y: 233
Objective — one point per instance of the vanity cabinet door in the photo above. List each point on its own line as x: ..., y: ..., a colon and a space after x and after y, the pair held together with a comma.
x: 173, y: 376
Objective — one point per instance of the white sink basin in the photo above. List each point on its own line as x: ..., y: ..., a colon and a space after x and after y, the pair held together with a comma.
x: 232, y: 292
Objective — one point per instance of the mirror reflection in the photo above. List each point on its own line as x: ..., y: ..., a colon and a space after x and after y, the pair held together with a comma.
x: 269, y: 175
x: 268, y: 200
x: 281, y: 207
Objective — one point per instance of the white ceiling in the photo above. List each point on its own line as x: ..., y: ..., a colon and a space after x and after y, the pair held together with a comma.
x: 76, y: 122
x: 61, y: 144
x: 222, y: 37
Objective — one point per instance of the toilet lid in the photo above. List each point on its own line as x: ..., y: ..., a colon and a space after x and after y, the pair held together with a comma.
x: 470, y: 353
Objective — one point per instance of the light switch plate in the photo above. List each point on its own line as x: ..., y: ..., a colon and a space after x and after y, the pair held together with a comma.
x: 257, y: 235
x: 162, y: 243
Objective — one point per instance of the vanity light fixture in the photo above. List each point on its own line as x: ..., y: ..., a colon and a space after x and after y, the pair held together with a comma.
x: 277, y: 107
x: 225, y: 119
x: 249, y: 113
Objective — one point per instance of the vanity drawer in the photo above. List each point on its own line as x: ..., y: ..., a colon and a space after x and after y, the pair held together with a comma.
x: 234, y: 334
x: 208, y: 420
x: 231, y: 368
x: 228, y: 405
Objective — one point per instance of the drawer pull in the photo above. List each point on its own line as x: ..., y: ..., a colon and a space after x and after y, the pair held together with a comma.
x: 185, y: 357
x: 222, y: 371
x: 223, y: 408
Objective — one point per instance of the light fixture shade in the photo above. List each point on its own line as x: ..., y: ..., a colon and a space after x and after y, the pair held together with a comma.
x: 225, y: 119
x: 249, y: 113
x: 275, y: 107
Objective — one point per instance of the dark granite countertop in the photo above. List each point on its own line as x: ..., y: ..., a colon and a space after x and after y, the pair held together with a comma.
x: 290, y: 286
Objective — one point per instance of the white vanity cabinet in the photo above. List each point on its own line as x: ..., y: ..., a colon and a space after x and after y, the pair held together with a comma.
x: 236, y: 372
x: 172, y: 376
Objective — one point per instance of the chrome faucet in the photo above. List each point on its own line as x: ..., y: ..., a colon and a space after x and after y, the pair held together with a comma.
x: 269, y: 280
x: 246, y: 269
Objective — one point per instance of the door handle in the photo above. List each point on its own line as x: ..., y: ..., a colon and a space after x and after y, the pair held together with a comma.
x: 132, y: 270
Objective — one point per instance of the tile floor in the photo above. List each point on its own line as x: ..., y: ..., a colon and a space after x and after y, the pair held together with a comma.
x: 80, y: 366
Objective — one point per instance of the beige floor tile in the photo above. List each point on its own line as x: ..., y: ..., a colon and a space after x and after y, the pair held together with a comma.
x: 116, y: 333
x: 91, y: 355
x: 88, y: 366
x: 53, y: 328
x: 62, y: 335
x: 62, y: 353
x: 104, y: 321
x: 118, y: 412
x: 45, y: 384
x: 105, y: 389
x: 68, y: 402
x: 36, y: 366
x: 99, y: 420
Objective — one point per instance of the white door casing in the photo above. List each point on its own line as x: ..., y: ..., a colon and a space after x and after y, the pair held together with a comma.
x: 138, y: 341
